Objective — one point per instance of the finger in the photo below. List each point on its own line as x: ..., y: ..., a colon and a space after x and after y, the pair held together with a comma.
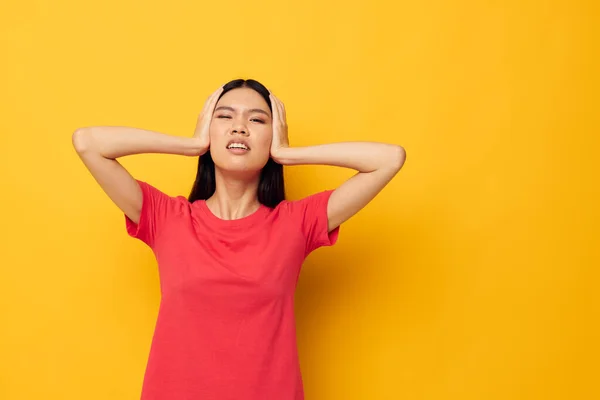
x: 283, y: 111
x: 275, y: 104
x: 218, y: 91
x: 215, y: 95
x: 274, y: 107
x: 208, y: 103
x: 214, y: 99
x: 280, y: 109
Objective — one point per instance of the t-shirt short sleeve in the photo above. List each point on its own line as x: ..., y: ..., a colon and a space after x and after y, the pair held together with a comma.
x: 156, y: 207
x: 311, y: 214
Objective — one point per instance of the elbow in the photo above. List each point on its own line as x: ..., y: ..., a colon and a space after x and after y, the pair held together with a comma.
x: 81, y: 139
x: 397, y: 157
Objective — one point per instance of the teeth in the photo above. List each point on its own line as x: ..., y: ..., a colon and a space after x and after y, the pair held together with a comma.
x: 237, y: 146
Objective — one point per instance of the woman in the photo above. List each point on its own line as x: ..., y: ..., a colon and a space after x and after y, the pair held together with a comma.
x: 229, y: 255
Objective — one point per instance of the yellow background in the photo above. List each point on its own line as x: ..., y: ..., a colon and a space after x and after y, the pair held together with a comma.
x: 472, y: 276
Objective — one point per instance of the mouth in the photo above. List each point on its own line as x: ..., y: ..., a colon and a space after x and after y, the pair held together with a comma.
x: 238, y: 146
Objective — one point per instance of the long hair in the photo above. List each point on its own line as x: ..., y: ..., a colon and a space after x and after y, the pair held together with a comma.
x: 271, y: 188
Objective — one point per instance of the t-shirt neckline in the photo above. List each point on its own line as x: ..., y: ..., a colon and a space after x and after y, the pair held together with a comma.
x: 243, y: 222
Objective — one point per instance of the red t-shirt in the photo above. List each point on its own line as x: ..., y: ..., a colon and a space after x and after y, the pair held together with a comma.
x: 225, y: 328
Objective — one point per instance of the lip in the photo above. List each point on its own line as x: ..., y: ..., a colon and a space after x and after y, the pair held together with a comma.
x: 240, y: 140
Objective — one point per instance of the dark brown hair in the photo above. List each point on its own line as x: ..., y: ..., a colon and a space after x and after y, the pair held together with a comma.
x: 271, y: 188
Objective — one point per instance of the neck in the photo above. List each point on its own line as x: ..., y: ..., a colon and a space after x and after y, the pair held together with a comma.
x: 236, y: 195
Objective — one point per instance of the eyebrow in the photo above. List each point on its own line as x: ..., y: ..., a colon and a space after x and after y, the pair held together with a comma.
x: 257, y: 110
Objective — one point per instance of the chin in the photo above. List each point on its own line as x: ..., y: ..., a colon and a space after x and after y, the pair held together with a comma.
x: 239, y: 165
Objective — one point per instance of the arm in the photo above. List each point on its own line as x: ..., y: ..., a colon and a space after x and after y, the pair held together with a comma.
x: 376, y: 163
x: 99, y: 148
x: 113, y: 142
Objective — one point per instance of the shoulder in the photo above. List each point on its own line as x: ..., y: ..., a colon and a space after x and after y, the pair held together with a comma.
x: 309, y: 212
x: 307, y: 204
x: 310, y: 215
x: 158, y: 198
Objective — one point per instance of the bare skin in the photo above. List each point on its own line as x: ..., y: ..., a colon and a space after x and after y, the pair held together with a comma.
x: 241, y: 115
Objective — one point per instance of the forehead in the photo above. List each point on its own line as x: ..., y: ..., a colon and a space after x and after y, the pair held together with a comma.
x: 243, y: 98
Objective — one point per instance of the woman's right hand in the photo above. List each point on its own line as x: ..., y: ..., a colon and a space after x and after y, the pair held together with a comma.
x: 202, y: 131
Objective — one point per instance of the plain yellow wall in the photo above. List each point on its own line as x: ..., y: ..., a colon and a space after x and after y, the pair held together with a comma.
x: 472, y: 276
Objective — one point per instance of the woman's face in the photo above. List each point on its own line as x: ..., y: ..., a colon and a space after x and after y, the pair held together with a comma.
x: 241, y: 131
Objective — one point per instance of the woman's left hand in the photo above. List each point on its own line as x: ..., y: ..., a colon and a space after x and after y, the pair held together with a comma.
x: 280, y: 128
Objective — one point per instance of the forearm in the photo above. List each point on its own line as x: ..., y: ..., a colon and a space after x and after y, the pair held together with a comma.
x: 361, y: 156
x: 114, y: 142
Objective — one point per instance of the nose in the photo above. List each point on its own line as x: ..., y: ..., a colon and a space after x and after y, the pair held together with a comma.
x: 239, y: 127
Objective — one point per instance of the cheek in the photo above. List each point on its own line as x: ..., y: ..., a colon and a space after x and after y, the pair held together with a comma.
x: 214, y: 130
x: 266, y: 139
x: 262, y: 145
x: 264, y: 136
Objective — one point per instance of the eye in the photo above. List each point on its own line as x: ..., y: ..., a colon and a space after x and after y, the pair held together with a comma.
x: 260, y: 121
